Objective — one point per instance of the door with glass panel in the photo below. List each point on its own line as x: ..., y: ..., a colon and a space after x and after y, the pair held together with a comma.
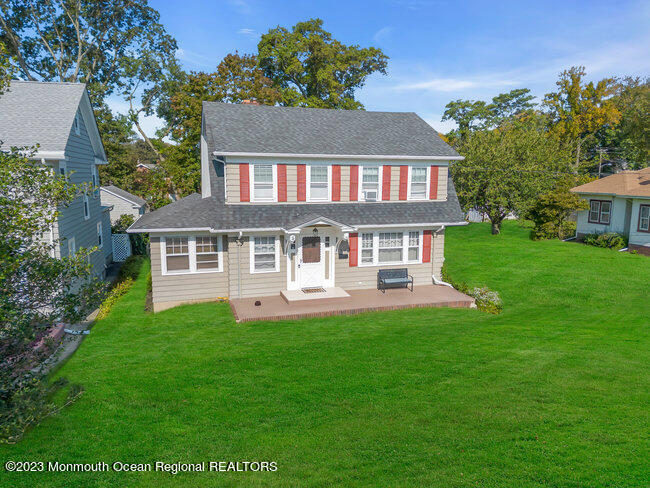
x: 312, y: 264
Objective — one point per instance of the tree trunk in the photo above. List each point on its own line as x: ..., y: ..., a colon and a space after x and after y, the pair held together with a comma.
x: 496, y: 227
x: 578, y: 149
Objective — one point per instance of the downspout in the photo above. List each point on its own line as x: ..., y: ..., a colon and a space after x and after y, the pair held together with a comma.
x: 437, y: 281
x: 239, y: 245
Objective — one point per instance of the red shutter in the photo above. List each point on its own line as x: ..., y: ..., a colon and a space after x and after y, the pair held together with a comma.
x: 354, y: 253
x: 354, y: 184
x: 244, y: 183
x: 336, y: 182
x: 385, y: 185
x: 426, y: 246
x: 302, y: 182
x: 403, y: 182
x: 433, y: 185
x: 282, y: 182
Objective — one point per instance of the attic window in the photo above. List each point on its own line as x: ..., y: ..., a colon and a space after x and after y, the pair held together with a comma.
x: 75, y: 125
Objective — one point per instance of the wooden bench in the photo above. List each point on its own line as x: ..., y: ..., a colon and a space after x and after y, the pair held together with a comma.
x: 393, y: 278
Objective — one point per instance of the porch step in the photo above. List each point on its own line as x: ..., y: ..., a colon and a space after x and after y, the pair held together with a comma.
x: 292, y: 296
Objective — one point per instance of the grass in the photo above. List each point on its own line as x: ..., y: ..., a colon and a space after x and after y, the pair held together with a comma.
x: 552, y: 392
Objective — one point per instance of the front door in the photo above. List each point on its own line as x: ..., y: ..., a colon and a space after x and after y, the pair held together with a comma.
x: 312, y: 264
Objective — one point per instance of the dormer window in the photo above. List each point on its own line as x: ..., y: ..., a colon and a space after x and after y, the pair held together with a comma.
x: 319, y: 187
x: 370, y: 183
x: 418, y: 183
x: 263, y: 183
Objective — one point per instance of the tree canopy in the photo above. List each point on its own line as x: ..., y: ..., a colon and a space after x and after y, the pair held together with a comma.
x: 311, y: 69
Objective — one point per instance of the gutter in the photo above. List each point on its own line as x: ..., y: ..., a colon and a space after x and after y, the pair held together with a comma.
x: 337, y: 156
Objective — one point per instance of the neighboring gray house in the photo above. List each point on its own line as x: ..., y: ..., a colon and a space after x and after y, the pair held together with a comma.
x: 122, y: 202
x: 302, y: 201
x: 618, y: 203
x: 58, y: 117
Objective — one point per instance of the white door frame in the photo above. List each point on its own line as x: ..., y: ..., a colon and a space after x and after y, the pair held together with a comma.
x: 327, y: 234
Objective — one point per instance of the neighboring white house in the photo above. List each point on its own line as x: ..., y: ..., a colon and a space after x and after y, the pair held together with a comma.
x: 122, y: 202
x: 58, y: 117
x: 618, y: 203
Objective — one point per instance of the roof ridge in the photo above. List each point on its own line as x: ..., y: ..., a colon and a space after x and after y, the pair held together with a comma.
x: 256, y: 106
x: 74, y: 83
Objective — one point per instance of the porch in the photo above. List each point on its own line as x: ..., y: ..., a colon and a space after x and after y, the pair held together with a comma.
x: 276, y: 307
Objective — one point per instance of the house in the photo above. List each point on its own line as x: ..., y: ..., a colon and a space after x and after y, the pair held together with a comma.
x: 145, y: 167
x: 58, y: 117
x: 122, y: 202
x: 303, y: 199
x: 618, y: 203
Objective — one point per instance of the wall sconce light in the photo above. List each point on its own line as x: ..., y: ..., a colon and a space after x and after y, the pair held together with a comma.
x: 315, y: 231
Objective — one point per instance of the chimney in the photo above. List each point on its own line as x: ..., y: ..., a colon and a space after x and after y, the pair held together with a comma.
x: 250, y: 102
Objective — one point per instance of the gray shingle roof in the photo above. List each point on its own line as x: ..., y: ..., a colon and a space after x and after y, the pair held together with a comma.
x: 38, y: 113
x: 125, y: 194
x: 239, y: 128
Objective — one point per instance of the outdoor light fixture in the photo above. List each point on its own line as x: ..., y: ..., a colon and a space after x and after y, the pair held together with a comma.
x: 315, y: 231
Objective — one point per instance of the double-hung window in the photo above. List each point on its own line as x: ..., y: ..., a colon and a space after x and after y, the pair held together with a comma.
x: 644, y: 218
x: 370, y: 183
x: 86, y: 204
x: 414, y: 246
x: 207, y: 252
x: 418, y: 183
x: 100, y: 235
x: 600, y: 211
x: 319, y: 183
x: 263, y: 185
x: 177, y: 254
x: 391, y: 247
x: 367, y: 248
x: 265, y: 256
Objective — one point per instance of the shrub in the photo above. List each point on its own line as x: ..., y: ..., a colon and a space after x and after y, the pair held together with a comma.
x: 119, y: 290
x: 608, y: 240
x: 138, y: 241
x: 130, y: 268
x: 486, y: 300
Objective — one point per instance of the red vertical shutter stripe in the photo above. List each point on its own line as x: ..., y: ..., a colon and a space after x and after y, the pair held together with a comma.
x: 336, y: 182
x: 426, y: 246
x: 433, y: 186
x: 354, y: 183
x: 354, y: 253
x: 302, y: 182
x: 385, y: 186
x: 403, y: 182
x: 282, y: 182
x: 244, y: 183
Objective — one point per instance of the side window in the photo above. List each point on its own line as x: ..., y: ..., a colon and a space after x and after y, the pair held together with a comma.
x: 72, y: 247
x: 86, y: 206
x: 75, y: 125
x: 63, y: 168
x: 207, y: 253
x: 177, y: 254
x: 367, y: 251
x: 414, y: 246
x: 644, y: 218
x: 100, y: 235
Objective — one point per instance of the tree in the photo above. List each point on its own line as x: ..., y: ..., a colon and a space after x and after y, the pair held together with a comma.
x: 506, y: 168
x: 112, y: 46
x: 577, y: 110
x: 36, y: 289
x: 311, y: 69
x: 6, y: 68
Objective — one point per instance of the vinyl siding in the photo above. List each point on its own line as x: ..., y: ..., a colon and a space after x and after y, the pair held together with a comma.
x: 232, y: 183
x: 616, y: 221
x: 292, y: 183
x: 80, y: 159
x: 120, y: 206
x: 443, y: 177
x: 638, y: 238
x: 258, y: 284
x: 106, y: 237
x: 174, y: 289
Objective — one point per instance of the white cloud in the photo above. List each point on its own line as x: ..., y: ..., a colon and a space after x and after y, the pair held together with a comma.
x: 247, y: 32
x: 194, y: 58
x: 452, y: 84
x: 241, y: 6
x: 382, y: 33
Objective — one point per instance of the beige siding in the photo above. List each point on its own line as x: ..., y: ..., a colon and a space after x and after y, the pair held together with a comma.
x: 120, y: 206
x: 443, y: 176
x: 292, y: 183
x: 232, y: 183
x: 258, y: 284
x: 186, y: 287
x: 438, y: 252
x: 345, y: 183
x: 394, y: 183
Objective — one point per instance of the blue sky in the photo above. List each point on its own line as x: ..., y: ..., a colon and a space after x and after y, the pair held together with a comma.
x: 439, y: 50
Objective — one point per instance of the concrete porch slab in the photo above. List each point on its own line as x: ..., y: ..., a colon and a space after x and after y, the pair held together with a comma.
x: 276, y: 308
x: 291, y: 296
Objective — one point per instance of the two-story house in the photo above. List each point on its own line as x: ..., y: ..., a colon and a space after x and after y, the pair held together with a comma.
x: 58, y: 118
x: 304, y: 199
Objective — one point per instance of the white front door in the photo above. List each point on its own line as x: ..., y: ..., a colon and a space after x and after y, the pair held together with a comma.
x: 312, y: 263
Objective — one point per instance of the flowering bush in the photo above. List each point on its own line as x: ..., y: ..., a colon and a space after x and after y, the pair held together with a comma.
x: 486, y: 300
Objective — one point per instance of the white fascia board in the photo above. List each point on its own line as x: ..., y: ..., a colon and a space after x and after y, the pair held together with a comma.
x: 58, y: 155
x: 100, y: 162
x: 425, y: 224
x: 381, y: 157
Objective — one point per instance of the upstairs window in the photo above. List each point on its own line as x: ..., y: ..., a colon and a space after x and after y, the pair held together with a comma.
x: 263, y: 187
x: 600, y: 211
x: 86, y: 206
x: 318, y: 183
x: 100, y: 236
x: 177, y: 254
x: 95, y: 177
x: 644, y: 218
x: 370, y: 183
x: 418, y: 183
x: 76, y: 125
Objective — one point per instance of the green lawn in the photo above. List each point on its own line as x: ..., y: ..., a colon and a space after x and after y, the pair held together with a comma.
x: 552, y: 392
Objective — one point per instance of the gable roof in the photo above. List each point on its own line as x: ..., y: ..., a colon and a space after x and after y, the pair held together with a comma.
x: 626, y: 183
x: 43, y: 113
x: 125, y: 195
x: 241, y: 129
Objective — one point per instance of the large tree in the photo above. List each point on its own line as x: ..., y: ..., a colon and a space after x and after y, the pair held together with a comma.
x: 36, y: 289
x: 6, y: 68
x: 506, y: 168
x: 314, y: 70
x: 578, y: 109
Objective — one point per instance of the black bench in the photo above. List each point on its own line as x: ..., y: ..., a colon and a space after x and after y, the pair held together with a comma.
x: 393, y: 278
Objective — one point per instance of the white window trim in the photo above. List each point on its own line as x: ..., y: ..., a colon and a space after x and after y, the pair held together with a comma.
x: 191, y: 248
x: 86, y: 204
x: 95, y: 178
x: 329, y: 183
x: 427, y: 191
x: 375, y: 248
x: 251, y: 246
x: 380, y: 182
x: 72, y: 247
x: 100, y: 232
x: 274, y: 169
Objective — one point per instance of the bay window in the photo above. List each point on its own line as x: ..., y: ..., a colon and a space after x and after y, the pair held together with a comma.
x: 318, y: 183
x: 191, y: 254
x: 394, y: 247
x: 418, y: 183
x: 263, y: 183
x: 264, y: 254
